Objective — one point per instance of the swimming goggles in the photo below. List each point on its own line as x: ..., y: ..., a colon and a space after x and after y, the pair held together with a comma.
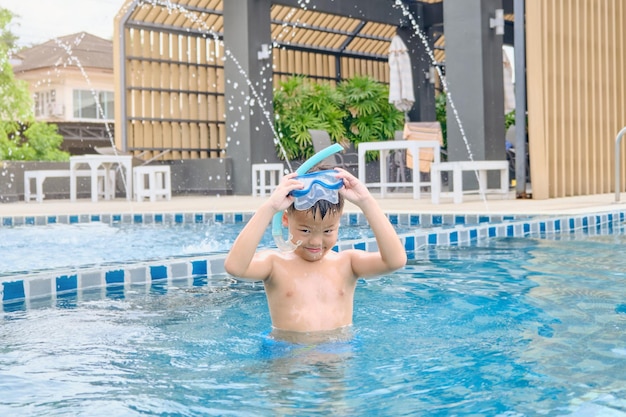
x: 318, y: 185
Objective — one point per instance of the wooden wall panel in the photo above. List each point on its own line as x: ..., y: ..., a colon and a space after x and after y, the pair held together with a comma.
x: 175, y: 89
x: 174, y: 92
x: 576, y: 94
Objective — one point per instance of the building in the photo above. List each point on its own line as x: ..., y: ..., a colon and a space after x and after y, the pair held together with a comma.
x: 71, y: 81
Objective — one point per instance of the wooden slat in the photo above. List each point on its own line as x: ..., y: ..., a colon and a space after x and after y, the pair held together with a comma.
x: 576, y: 94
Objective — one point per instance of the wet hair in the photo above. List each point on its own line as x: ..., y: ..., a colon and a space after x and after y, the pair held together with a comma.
x: 322, y: 207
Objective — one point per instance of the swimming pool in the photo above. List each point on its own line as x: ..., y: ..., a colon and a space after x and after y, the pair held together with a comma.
x: 44, y: 256
x: 157, y: 257
x: 54, y: 246
x: 504, y: 327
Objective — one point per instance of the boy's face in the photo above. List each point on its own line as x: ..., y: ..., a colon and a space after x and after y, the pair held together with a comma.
x: 317, y: 235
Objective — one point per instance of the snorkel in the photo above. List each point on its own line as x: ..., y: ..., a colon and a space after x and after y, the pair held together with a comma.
x: 277, y: 229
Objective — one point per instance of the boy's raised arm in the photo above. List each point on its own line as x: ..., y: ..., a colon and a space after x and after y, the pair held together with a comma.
x: 391, y: 255
x: 241, y: 260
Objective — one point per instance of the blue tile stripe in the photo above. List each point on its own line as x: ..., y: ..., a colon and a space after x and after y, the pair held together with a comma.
x: 403, y: 219
x: 430, y: 230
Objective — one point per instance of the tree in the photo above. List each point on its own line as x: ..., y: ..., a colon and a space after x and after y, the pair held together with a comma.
x: 21, y: 137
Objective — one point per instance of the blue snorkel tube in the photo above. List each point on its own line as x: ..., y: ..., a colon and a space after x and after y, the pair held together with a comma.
x: 277, y: 227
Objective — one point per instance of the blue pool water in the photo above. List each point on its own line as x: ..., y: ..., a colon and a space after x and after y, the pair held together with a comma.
x: 511, y: 327
x: 32, y: 248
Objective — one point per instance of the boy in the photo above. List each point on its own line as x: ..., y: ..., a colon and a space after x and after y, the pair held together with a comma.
x: 312, y: 288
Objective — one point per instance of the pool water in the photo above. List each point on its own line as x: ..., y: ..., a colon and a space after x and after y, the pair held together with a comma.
x: 512, y: 327
x: 34, y: 248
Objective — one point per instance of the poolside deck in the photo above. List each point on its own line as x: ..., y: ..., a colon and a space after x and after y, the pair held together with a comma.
x: 400, y: 203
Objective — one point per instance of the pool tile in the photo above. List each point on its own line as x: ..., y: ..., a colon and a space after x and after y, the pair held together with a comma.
x: 39, y: 287
x: 371, y: 246
x: 199, y: 267
x: 138, y: 275
x: 90, y: 280
x: 409, y: 243
x: 443, y: 239
x: 216, y: 266
x: 180, y: 270
x: 13, y: 291
x: 464, y: 237
x: 114, y: 277
x: 65, y: 283
x: 158, y: 272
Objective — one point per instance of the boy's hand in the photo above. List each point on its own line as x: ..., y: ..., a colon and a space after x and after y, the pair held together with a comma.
x: 353, y: 190
x: 280, y: 198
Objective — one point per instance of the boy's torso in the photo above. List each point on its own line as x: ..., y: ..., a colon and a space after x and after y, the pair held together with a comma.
x: 310, y: 296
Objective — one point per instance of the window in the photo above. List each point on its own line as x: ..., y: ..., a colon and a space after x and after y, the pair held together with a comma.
x: 45, y: 103
x: 93, y: 104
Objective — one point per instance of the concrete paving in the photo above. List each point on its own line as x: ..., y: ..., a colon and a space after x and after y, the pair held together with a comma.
x: 397, y: 203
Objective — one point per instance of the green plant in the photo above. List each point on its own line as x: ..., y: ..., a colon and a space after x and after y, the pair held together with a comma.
x: 370, y: 115
x: 21, y: 137
x: 300, y: 105
x: 34, y: 142
x: 357, y: 110
x: 440, y: 114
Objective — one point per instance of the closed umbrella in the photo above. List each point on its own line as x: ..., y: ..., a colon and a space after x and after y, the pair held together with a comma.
x: 509, y: 90
x: 400, y: 76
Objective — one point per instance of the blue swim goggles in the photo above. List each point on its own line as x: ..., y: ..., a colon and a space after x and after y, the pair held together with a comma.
x: 318, y: 185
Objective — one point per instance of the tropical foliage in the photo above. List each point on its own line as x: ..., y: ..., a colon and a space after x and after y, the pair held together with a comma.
x: 355, y: 111
x: 440, y: 114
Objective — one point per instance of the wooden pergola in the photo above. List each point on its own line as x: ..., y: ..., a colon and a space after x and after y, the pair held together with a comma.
x: 193, y: 77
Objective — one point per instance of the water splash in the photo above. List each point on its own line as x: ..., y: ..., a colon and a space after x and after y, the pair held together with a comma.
x: 67, y: 47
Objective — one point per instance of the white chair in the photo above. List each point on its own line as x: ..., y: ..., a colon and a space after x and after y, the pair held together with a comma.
x: 153, y: 182
x: 321, y: 140
x: 265, y: 177
x: 397, y: 161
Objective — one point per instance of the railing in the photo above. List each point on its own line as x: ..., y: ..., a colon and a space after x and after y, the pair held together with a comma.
x: 618, y: 139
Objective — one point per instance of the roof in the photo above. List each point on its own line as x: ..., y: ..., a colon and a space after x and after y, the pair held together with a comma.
x: 79, y: 49
x: 325, y: 25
